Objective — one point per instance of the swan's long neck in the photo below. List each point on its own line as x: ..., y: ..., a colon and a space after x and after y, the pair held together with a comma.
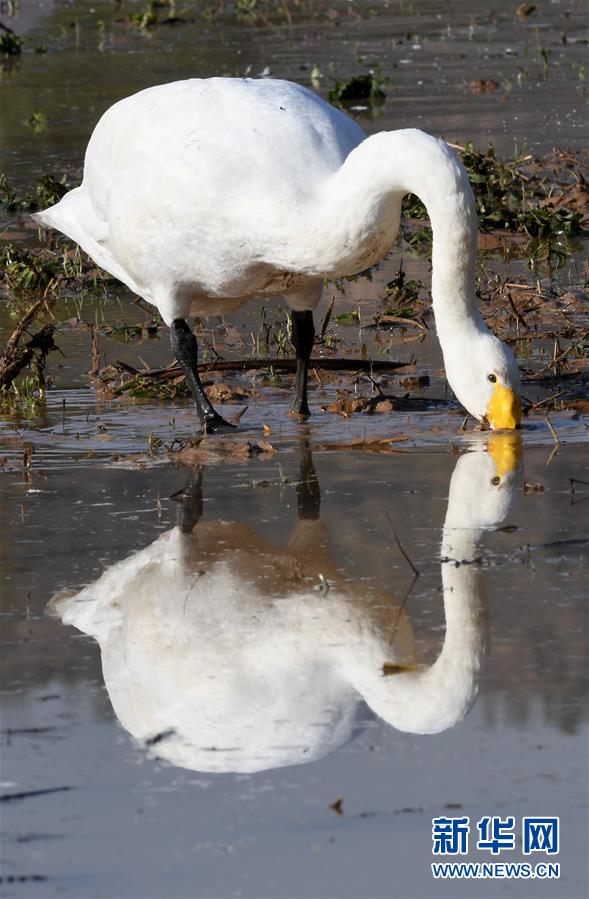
x: 359, y: 214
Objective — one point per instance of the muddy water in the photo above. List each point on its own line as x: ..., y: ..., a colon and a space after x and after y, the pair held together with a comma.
x: 189, y: 686
x: 429, y: 51
x: 265, y: 687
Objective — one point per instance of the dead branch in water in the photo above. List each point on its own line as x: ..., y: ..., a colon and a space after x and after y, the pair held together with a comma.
x: 288, y: 365
x: 14, y: 358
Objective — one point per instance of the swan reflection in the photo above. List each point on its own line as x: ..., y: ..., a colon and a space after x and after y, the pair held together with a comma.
x: 222, y: 652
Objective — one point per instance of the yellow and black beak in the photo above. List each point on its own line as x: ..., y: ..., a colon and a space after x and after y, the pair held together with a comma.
x: 505, y: 409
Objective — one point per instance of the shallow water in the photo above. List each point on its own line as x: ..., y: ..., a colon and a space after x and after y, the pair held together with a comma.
x: 182, y: 708
x: 132, y: 823
x: 429, y: 51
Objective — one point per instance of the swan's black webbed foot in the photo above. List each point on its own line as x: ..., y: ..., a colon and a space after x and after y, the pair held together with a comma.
x: 216, y: 424
x: 299, y: 410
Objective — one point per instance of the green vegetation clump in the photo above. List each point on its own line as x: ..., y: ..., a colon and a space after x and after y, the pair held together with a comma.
x: 48, y: 191
x: 10, y: 43
x: 48, y: 270
x: 369, y: 86
x: 545, y: 200
x: 37, y: 121
x: 139, y: 388
x: 510, y: 198
x: 402, y: 295
x: 25, y: 269
x: 147, y: 17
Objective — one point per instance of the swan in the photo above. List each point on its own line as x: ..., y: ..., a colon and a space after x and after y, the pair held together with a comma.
x: 201, y: 194
x: 220, y: 654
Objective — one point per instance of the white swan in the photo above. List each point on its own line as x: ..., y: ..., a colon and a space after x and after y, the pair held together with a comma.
x: 222, y: 643
x: 201, y: 194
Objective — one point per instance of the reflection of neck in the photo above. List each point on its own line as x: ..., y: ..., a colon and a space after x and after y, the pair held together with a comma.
x: 436, y: 698
x: 431, y: 700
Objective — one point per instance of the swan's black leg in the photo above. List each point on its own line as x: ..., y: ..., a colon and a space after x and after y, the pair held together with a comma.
x: 190, y: 499
x: 308, y: 492
x: 185, y: 349
x: 303, y: 335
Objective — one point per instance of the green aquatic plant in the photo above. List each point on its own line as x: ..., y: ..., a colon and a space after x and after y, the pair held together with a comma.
x: 48, y: 270
x: 25, y: 269
x: 37, y: 121
x: 145, y: 18
x: 153, y: 444
x: 401, y: 295
x: 369, y: 86
x: 140, y: 388
x: 348, y: 318
x: 130, y: 333
x: 49, y: 189
x: 247, y: 6
x: 10, y: 42
x: 515, y: 197
x: 270, y: 375
x: 25, y: 398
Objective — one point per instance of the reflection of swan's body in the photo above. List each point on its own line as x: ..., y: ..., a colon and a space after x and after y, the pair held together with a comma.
x: 225, y: 645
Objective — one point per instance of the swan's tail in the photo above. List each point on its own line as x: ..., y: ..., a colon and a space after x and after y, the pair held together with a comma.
x: 75, y: 217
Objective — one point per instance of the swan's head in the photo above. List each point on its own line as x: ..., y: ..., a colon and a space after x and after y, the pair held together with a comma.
x: 484, y: 375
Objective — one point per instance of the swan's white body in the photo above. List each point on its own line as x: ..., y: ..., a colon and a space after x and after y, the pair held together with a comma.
x: 201, y: 194
x: 220, y: 641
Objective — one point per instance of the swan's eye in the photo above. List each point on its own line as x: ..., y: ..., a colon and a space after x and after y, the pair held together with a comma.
x: 492, y: 378
x: 496, y: 481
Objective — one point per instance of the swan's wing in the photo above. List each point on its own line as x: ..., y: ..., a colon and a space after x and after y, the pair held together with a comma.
x: 76, y: 217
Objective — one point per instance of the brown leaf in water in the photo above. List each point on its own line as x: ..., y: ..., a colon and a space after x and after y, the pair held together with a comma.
x: 368, y: 444
x: 525, y: 9
x: 575, y: 302
x: 574, y: 197
x: 224, y: 393
x: 212, y: 450
x: 266, y: 447
x: 387, y: 319
x: 579, y: 405
x: 483, y: 86
x: 384, y: 405
x: 578, y: 364
x: 533, y: 488
x: 415, y: 382
x: 346, y: 405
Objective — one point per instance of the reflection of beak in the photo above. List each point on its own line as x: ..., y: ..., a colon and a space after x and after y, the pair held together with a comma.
x: 506, y: 451
x: 505, y: 408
